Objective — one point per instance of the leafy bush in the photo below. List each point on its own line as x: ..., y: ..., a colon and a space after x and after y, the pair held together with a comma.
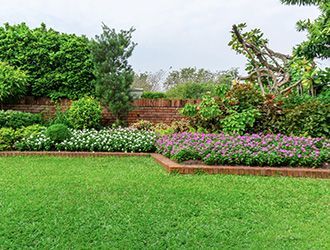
x: 29, y: 131
x: 84, y: 113
x: 17, y: 119
x: 252, y: 150
x: 13, y: 82
x: 7, y: 138
x: 244, y: 96
x: 153, y: 95
x: 308, y: 119
x: 143, y: 125
x: 192, y: 90
x: 108, y: 140
x: 58, y: 64
x: 239, y: 122
x: 207, y: 114
x: 58, y: 132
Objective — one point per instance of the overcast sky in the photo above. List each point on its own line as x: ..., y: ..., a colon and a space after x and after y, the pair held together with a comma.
x: 169, y: 33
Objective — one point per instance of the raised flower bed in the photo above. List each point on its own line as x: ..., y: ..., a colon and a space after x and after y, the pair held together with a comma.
x: 249, y: 150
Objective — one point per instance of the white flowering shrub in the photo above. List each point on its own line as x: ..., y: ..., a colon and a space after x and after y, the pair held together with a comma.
x: 106, y: 140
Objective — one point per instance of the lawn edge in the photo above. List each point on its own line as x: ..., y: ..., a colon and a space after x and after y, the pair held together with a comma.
x: 175, y: 167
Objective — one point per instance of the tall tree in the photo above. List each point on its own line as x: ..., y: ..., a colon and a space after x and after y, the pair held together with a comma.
x: 114, y: 75
x: 317, y: 44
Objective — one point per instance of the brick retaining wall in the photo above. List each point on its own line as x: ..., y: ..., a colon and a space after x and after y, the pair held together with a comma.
x: 154, y: 110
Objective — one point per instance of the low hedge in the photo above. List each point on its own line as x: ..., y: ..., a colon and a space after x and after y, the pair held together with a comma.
x: 16, y: 119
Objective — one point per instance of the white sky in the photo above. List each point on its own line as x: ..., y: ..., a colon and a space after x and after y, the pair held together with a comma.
x: 177, y: 33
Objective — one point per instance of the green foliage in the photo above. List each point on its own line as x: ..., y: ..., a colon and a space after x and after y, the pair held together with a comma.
x: 192, y: 90
x: 32, y: 130
x: 7, y: 138
x: 318, y: 36
x: 17, y: 119
x: 13, y: 82
x: 58, y: 132
x: 84, y: 113
x: 194, y: 75
x: 206, y: 114
x: 143, y: 125
x: 244, y: 96
x: 114, y: 75
x: 239, y: 122
x: 60, y: 116
x: 310, y: 118
x: 58, y: 64
x: 153, y: 95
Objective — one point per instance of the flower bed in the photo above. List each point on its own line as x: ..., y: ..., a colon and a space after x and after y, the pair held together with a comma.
x: 107, y: 140
x: 250, y: 150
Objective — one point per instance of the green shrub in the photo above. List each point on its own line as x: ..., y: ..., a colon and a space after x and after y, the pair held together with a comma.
x: 85, y: 113
x: 13, y: 82
x: 17, y: 119
x: 143, y: 125
x: 60, y: 117
x: 239, y: 122
x: 7, y: 138
x: 58, y: 132
x: 153, y: 95
x: 29, y: 131
x: 308, y: 119
x: 244, y: 96
x: 58, y: 64
x: 191, y: 90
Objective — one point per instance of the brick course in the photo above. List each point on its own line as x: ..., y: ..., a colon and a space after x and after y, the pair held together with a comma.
x: 154, y: 110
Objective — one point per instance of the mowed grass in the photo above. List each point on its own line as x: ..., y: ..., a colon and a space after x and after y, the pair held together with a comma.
x: 132, y: 203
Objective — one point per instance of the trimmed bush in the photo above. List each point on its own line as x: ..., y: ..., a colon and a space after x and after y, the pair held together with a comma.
x: 58, y: 132
x: 85, y: 113
x: 17, y: 119
x: 13, y: 82
x: 7, y: 138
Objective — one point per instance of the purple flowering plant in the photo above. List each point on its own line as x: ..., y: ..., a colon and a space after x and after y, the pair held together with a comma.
x: 252, y: 150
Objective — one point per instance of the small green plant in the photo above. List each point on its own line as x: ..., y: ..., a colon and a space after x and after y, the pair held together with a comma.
x: 143, y: 125
x: 153, y: 95
x: 7, y: 138
x: 58, y: 132
x: 84, y: 113
x: 238, y: 123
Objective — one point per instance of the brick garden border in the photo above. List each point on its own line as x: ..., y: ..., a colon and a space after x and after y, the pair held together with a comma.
x: 175, y: 167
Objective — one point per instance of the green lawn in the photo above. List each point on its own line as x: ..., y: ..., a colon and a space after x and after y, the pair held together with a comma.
x: 83, y: 203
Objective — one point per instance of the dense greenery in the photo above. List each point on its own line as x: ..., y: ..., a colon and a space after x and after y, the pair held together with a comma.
x: 84, y: 113
x: 57, y: 133
x: 244, y: 110
x: 318, y: 38
x: 57, y: 64
x: 117, y: 203
x: 13, y: 82
x: 17, y: 119
x: 114, y: 75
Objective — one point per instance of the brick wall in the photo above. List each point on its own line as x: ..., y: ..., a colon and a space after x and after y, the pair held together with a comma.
x: 154, y: 110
